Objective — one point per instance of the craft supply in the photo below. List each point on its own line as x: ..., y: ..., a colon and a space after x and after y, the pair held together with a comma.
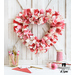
x: 22, y: 69
x: 10, y: 58
x: 49, y: 65
x: 35, y: 67
x: 59, y: 56
x: 9, y: 53
x: 13, y: 58
x: 53, y: 66
x: 17, y: 58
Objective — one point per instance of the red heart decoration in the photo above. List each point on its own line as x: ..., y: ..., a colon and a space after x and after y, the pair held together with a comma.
x: 35, y: 16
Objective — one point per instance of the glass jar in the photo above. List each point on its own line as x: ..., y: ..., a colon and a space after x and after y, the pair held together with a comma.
x: 13, y: 57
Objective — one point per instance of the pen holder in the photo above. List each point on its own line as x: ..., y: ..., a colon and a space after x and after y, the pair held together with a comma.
x: 13, y: 60
x: 13, y: 57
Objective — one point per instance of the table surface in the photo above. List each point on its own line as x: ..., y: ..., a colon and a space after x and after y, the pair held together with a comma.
x: 45, y: 71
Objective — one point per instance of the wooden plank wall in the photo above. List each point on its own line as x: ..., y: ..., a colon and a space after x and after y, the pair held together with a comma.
x: 12, y: 8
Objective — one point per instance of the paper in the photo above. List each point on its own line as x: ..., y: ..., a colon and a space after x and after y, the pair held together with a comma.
x: 22, y: 69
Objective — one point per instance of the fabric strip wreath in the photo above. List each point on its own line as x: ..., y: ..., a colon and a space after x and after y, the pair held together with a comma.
x: 35, y: 16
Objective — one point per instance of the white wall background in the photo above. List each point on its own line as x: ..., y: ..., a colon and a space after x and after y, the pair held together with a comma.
x: 12, y: 8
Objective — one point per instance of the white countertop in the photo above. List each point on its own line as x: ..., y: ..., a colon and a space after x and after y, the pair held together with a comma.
x: 45, y: 71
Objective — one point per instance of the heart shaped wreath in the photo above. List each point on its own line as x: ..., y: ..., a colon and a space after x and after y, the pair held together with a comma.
x: 35, y: 16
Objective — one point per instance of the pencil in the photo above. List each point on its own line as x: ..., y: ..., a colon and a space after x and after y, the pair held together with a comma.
x: 17, y: 58
x: 11, y: 57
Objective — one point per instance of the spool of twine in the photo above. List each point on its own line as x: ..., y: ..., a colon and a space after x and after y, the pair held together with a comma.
x: 59, y: 56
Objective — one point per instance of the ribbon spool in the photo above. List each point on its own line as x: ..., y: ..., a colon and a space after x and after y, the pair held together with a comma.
x: 59, y: 56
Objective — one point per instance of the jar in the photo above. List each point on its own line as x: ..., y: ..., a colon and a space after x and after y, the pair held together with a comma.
x: 13, y: 57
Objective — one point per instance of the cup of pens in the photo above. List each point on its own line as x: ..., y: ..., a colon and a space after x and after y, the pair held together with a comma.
x: 13, y: 58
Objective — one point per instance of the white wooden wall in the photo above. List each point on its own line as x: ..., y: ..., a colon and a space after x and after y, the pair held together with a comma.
x: 12, y: 8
